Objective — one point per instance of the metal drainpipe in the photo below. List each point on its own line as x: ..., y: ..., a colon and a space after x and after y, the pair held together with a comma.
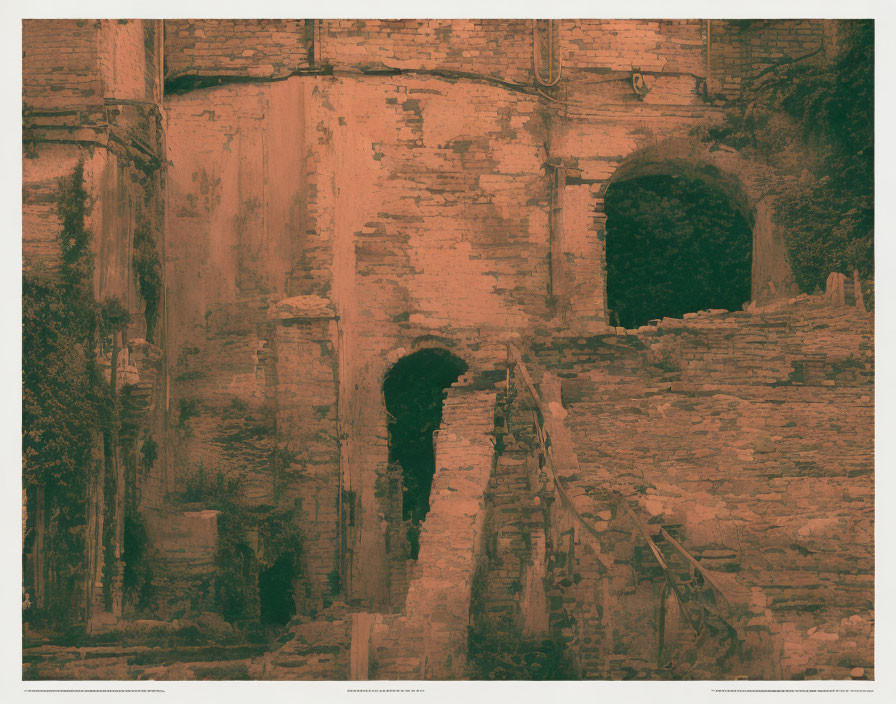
x: 344, y: 571
x: 163, y: 116
x: 552, y: 80
x: 319, y: 43
x: 708, y: 55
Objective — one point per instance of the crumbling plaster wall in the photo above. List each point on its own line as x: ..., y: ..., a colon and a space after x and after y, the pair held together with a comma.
x: 234, y: 192
x: 501, y: 48
x: 407, y: 218
x: 422, y: 211
x: 321, y: 227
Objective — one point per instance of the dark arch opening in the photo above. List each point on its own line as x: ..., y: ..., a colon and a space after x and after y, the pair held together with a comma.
x: 275, y: 591
x: 675, y: 244
x: 413, y: 391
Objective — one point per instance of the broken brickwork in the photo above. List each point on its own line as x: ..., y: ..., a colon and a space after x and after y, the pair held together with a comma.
x: 739, y: 419
x: 92, y: 95
x: 329, y: 196
x: 242, y: 48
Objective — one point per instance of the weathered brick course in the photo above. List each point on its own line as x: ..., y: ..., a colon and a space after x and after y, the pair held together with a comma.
x: 329, y: 196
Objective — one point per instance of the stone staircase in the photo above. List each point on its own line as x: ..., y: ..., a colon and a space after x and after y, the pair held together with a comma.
x: 511, y: 512
x: 750, y: 434
x: 606, y: 575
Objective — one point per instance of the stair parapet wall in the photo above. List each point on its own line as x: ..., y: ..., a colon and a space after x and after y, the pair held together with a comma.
x: 429, y: 641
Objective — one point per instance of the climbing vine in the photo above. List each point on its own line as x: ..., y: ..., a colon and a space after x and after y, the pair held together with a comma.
x: 251, y: 539
x: 65, y: 399
x: 828, y: 215
x: 148, y: 268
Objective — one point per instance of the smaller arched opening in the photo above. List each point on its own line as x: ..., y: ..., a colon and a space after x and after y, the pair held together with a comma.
x: 276, y: 586
x: 679, y: 239
x: 413, y: 391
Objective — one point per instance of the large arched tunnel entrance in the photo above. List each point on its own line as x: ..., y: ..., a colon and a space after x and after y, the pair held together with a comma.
x: 413, y: 391
x: 675, y: 243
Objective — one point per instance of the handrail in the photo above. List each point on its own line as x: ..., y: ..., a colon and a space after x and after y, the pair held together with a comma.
x: 544, y: 440
x: 680, y: 549
x: 670, y: 578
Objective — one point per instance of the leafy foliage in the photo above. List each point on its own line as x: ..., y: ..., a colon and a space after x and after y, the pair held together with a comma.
x: 150, y: 452
x: 138, y: 563
x: 62, y: 393
x: 114, y: 315
x: 148, y: 267
x: 674, y: 245
x: 188, y: 409
x: 279, y: 543
x: 74, y: 237
x: 828, y: 217
x: 501, y: 655
x: 65, y: 400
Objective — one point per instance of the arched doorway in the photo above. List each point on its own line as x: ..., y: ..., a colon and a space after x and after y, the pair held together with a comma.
x: 276, y: 584
x: 678, y: 240
x: 413, y: 391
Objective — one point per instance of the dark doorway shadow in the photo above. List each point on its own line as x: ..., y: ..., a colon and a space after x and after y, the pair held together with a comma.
x: 675, y: 245
x: 413, y: 391
x: 275, y: 591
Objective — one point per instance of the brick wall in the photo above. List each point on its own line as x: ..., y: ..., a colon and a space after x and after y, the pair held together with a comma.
x: 418, y: 209
x: 753, y: 431
x: 502, y: 48
x: 391, y: 196
x: 231, y: 228
x: 673, y: 46
x: 741, y: 49
x: 499, y: 48
x: 60, y: 62
x: 123, y: 59
x: 421, y: 209
x: 90, y: 84
x: 234, y: 47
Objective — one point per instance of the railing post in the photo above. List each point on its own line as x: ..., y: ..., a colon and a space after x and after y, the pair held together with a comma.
x: 661, y: 636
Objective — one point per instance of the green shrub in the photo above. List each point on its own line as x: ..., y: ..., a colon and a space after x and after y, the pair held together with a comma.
x: 148, y: 268
x: 828, y: 218
x: 507, y: 655
x: 65, y: 400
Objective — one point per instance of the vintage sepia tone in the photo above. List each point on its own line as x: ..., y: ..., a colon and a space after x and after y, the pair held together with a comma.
x: 448, y: 349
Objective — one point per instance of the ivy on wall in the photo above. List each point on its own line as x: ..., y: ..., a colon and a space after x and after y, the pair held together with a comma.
x: 508, y: 655
x: 70, y: 416
x: 827, y: 216
x: 252, y: 540
x: 65, y: 399
x: 148, y: 269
